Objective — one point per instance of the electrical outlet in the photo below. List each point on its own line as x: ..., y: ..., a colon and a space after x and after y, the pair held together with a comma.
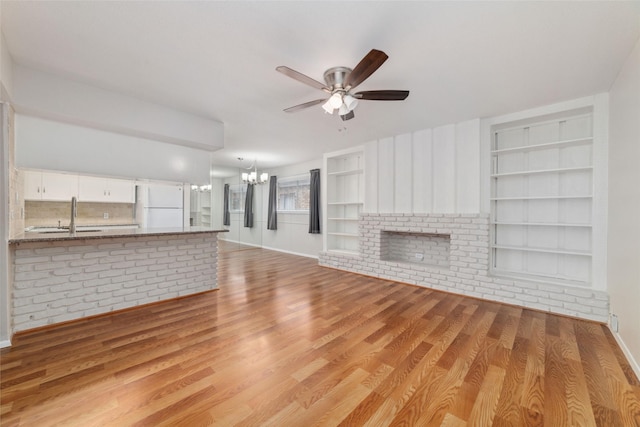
x: 614, y: 322
x: 105, y: 215
x: 419, y: 256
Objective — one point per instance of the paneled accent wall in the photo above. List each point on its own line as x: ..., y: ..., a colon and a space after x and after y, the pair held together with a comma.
x: 429, y: 171
x: 467, y: 271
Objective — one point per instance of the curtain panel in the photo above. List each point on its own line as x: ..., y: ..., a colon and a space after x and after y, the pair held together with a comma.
x: 314, y: 202
x: 248, y: 207
x: 226, y: 217
x: 272, y: 214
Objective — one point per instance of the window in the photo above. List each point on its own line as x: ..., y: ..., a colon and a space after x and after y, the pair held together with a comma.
x: 237, y: 196
x: 293, y: 193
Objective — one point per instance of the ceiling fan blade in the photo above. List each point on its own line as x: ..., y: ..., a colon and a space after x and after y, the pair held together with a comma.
x: 367, y: 66
x: 302, y: 78
x: 382, y: 95
x: 350, y: 115
x: 303, y: 106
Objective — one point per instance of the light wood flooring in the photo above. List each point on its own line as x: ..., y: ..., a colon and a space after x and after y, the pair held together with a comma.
x: 287, y: 343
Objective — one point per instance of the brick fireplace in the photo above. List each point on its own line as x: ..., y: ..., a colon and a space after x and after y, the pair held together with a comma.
x: 450, y: 252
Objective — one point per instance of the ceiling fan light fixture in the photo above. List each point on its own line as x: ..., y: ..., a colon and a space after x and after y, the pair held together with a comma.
x: 327, y: 107
x: 336, y: 100
x: 350, y: 102
x: 343, y: 110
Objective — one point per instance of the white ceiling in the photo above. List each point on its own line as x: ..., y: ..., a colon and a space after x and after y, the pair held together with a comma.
x: 460, y: 60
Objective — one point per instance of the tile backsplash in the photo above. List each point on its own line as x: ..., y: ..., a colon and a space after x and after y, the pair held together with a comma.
x: 39, y: 213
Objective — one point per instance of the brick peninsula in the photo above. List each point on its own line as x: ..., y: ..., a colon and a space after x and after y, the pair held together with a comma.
x: 58, y: 277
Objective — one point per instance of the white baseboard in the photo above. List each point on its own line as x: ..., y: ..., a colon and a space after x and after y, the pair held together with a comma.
x: 5, y: 343
x: 241, y: 243
x: 272, y: 249
x: 634, y: 364
x: 290, y: 252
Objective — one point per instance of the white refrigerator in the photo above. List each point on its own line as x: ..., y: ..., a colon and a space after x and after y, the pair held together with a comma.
x: 163, y: 206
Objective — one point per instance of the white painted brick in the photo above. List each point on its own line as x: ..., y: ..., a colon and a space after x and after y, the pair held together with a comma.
x: 123, y: 265
x: 146, y: 275
x: 141, y: 244
x: 65, y: 287
x: 584, y: 293
x: 83, y: 262
x: 66, y: 257
x: 32, y: 260
x: 95, y: 254
x: 110, y: 246
x: 97, y: 268
x: 124, y: 291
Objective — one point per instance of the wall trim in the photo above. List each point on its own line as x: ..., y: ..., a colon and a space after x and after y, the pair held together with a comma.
x: 627, y: 353
x: 290, y: 252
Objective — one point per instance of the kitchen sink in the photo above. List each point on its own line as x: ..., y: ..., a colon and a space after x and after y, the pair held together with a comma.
x: 67, y: 231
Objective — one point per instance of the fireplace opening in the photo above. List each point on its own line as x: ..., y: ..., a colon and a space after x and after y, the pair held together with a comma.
x: 415, y: 248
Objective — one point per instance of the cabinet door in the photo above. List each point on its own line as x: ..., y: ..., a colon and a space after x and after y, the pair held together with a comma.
x: 120, y: 191
x: 32, y: 185
x: 59, y: 186
x: 92, y: 189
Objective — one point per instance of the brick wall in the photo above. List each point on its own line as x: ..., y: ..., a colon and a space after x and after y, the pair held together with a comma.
x: 468, y: 271
x: 66, y: 280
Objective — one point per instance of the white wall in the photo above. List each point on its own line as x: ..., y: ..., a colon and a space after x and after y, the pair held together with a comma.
x: 623, y: 268
x: 5, y: 317
x: 292, y: 234
x: 429, y: 171
x: 237, y: 231
x: 45, y: 95
x: 47, y: 144
x: 6, y: 71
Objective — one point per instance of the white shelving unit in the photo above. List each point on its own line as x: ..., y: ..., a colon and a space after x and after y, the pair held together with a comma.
x: 201, y: 206
x: 344, y: 199
x: 542, y: 188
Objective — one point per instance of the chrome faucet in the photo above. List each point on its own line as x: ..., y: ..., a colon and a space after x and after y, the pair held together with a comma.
x: 74, y: 212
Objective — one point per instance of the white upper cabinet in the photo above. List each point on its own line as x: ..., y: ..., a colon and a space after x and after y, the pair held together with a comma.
x: 95, y: 189
x: 49, y: 186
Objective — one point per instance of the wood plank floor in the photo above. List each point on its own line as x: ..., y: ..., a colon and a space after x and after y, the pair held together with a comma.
x: 287, y: 343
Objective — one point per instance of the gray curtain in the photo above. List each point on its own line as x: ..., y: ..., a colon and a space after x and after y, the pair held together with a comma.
x: 226, y: 217
x: 248, y: 207
x: 314, y: 202
x: 272, y: 214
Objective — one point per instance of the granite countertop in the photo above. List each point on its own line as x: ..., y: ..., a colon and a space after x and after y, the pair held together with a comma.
x: 106, y: 234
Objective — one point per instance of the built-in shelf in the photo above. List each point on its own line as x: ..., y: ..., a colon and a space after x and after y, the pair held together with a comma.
x: 543, y: 171
x: 559, y: 279
x: 344, y: 203
x: 345, y: 173
x: 344, y: 192
x: 498, y: 199
x: 543, y: 250
x: 523, y: 226
x: 545, y: 146
x: 540, y: 224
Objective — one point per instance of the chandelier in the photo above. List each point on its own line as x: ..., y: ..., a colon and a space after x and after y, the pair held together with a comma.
x: 252, y: 177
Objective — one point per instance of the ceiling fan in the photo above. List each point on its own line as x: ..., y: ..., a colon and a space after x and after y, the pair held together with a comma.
x: 339, y: 81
